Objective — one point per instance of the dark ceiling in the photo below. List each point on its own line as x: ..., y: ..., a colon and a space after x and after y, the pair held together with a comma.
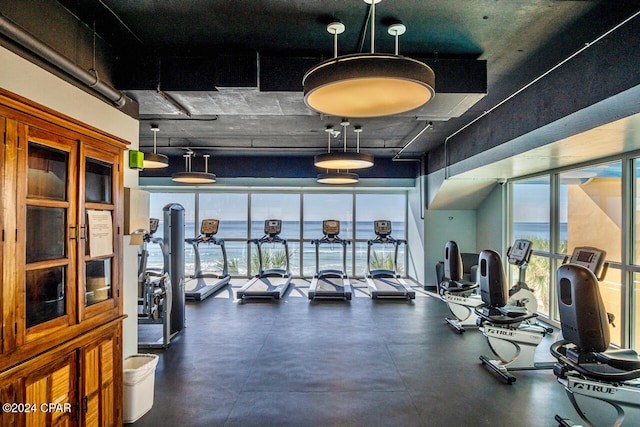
x: 225, y: 75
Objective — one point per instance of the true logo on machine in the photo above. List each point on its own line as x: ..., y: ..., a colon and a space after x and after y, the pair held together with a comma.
x: 595, y: 388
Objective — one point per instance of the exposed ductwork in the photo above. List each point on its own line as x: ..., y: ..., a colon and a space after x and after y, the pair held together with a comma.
x: 91, y: 80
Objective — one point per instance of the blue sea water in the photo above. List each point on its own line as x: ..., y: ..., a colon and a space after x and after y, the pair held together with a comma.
x: 537, y: 230
x: 235, y: 235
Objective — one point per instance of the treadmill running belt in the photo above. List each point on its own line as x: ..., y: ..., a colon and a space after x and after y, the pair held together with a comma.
x: 330, y: 284
x: 387, y: 284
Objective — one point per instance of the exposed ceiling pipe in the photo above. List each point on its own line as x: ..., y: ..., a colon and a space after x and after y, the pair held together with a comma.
x: 397, y: 158
x: 26, y: 40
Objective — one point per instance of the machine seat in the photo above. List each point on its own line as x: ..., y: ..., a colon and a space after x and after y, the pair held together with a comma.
x: 457, y: 286
x: 513, y: 311
x: 623, y: 359
x: 453, y: 275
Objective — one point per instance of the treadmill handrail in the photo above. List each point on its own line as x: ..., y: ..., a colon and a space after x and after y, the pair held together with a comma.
x: 331, y: 240
x: 384, y: 240
x: 207, y: 239
x: 271, y: 239
x: 203, y: 238
x: 268, y: 239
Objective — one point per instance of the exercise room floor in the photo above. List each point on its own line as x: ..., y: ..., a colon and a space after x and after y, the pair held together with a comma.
x: 364, y: 363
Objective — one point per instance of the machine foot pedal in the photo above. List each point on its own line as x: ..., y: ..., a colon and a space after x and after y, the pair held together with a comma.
x: 565, y: 422
x: 454, y: 324
x: 509, y: 379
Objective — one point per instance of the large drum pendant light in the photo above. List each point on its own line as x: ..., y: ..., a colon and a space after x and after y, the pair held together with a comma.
x: 368, y: 85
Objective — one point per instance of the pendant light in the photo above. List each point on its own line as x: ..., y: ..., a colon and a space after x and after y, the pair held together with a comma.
x: 189, y: 177
x: 338, y: 178
x: 368, y: 85
x: 344, y: 160
x: 155, y: 160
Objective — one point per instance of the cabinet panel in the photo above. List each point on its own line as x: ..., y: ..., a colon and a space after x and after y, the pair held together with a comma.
x: 9, y: 220
x: 3, y: 206
x: 99, y: 363
x: 98, y: 214
x: 54, y: 383
x: 8, y: 393
x: 47, y: 199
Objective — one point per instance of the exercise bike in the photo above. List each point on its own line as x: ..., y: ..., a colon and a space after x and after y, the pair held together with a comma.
x: 154, y: 291
x: 511, y: 329
x: 602, y: 383
x: 460, y: 295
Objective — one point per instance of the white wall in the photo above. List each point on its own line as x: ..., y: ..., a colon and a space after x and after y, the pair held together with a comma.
x: 29, y: 81
x: 490, y: 221
x: 440, y: 226
x: 415, y: 232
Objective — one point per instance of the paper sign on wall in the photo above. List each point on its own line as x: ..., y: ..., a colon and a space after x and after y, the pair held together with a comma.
x: 100, y: 224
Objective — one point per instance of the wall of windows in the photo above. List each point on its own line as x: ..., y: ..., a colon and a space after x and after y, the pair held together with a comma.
x: 242, y: 216
x: 580, y: 207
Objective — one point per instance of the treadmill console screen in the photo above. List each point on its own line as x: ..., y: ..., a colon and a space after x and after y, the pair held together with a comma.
x: 520, y: 252
x: 591, y: 258
x: 209, y: 226
x: 272, y: 226
x: 331, y: 227
x: 382, y: 227
x: 584, y: 256
x: 153, y: 225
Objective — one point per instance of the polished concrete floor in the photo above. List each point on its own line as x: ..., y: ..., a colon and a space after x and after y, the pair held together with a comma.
x: 363, y: 363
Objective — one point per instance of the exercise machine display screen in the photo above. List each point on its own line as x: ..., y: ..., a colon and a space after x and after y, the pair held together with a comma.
x: 591, y: 258
x: 331, y: 227
x: 209, y: 226
x: 382, y: 227
x: 153, y: 225
x: 272, y: 226
x: 584, y: 256
x: 520, y: 251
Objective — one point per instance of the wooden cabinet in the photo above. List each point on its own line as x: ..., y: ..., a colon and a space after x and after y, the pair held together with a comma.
x: 60, y: 264
x: 76, y: 384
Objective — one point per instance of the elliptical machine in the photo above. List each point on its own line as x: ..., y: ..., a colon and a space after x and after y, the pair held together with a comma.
x: 205, y: 283
x: 154, y: 291
x: 510, y: 328
x: 602, y: 383
x: 460, y: 295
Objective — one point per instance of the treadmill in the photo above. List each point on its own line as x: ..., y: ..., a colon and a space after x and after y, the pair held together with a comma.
x: 330, y: 283
x: 205, y: 283
x: 270, y: 283
x: 385, y: 283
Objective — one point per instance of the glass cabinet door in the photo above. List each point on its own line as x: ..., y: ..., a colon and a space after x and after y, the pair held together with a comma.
x: 47, y: 217
x: 99, y: 180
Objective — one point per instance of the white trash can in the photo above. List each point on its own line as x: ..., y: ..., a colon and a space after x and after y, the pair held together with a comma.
x: 138, y: 384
